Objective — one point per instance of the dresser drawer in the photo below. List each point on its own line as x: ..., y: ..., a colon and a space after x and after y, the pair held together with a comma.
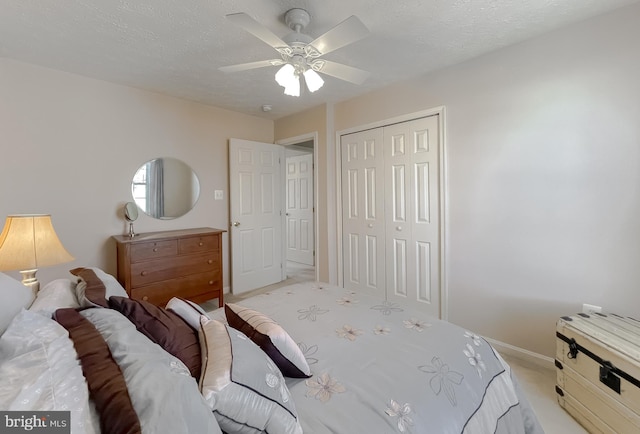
x: 153, y: 249
x: 144, y: 273
x: 204, y: 243
x: 189, y: 287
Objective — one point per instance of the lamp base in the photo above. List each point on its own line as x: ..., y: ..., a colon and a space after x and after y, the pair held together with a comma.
x: 29, y: 279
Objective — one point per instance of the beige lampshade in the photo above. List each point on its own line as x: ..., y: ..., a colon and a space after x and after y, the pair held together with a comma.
x: 30, y: 242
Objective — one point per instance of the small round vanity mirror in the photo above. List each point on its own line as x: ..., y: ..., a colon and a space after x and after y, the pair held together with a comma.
x: 165, y: 188
x: 131, y: 214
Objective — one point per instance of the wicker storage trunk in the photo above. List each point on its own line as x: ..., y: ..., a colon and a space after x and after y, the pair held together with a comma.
x: 597, y: 365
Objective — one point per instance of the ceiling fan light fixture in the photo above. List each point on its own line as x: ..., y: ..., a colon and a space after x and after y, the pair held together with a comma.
x: 313, y: 80
x: 293, y: 87
x: 300, y: 53
x: 286, y: 75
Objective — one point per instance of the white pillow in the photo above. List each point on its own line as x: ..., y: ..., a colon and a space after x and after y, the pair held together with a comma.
x: 14, y: 296
x: 189, y: 311
x: 257, y: 400
x: 40, y: 371
x: 57, y: 294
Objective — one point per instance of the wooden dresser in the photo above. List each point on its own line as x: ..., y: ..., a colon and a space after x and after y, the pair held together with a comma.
x: 157, y: 266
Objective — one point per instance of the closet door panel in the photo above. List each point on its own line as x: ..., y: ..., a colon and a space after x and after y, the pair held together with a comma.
x: 411, y: 160
x: 363, y: 212
x: 426, y: 215
x: 398, y: 211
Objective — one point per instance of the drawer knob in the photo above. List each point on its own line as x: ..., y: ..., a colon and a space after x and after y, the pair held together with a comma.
x: 145, y: 298
x: 210, y: 261
x: 201, y: 244
x: 144, y: 273
x: 211, y: 282
x: 155, y: 250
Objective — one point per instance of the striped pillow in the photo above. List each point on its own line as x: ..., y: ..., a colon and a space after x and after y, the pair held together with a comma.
x: 271, y: 337
x: 95, y: 287
x: 257, y: 400
x: 106, y: 383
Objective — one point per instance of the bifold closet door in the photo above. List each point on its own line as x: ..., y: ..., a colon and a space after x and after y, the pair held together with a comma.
x: 391, y: 212
x: 363, y: 231
x: 412, y: 214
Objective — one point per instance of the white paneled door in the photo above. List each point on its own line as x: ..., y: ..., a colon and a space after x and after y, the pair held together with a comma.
x: 412, y: 212
x: 255, y: 196
x: 391, y: 211
x: 299, y: 218
x: 363, y: 226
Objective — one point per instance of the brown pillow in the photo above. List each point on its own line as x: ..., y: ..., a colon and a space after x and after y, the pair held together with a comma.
x: 106, y: 383
x: 163, y: 327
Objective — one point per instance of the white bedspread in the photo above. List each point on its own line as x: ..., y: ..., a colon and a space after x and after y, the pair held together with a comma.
x: 381, y: 367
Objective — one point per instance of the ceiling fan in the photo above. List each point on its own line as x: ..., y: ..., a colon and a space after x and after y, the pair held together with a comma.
x: 300, y: 53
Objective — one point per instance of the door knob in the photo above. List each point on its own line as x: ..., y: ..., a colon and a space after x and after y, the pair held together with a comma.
x: 236, y: 223
x: 370, y: 225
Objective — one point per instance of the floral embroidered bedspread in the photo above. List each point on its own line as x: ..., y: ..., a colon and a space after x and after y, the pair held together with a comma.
x: 385, y: 367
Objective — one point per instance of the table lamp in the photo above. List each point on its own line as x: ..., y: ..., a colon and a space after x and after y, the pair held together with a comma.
x: 29, y: 242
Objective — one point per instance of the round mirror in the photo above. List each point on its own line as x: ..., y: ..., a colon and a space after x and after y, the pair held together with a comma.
x: 165, y: 188
x: 130, y: 211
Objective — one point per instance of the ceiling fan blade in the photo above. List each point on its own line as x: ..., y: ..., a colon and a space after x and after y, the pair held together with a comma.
x: 347, y: 32
x: 251, y: 65
x: 256, y: 29
x: 344, y: 72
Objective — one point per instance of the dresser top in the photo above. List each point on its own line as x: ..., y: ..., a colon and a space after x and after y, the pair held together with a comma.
x: 155, y: 236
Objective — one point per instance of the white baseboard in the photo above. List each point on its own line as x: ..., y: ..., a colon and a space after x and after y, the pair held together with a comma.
x: 522, y: 354
x: 226, y: 290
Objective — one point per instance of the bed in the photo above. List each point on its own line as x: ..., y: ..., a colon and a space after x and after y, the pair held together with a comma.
x: 310, y: 358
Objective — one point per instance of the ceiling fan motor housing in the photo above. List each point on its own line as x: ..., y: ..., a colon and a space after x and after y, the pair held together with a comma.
x: 297, y: 19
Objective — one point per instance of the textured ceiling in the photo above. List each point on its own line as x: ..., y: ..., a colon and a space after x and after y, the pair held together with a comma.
x: 176, y: 47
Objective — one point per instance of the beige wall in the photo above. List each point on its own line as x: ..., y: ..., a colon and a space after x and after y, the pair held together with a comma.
x: 70, y: 146
x: 543, y: 143
x: 313, y: 121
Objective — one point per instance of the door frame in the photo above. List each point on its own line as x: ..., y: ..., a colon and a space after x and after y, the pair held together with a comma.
x: 293, y: 141
x: 443, y: 181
